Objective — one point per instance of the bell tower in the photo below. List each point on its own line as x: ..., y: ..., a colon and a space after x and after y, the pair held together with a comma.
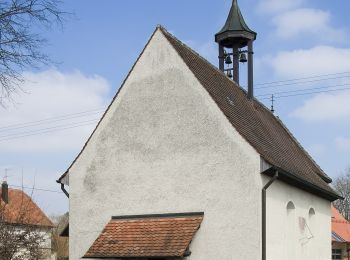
x: 236, y: 41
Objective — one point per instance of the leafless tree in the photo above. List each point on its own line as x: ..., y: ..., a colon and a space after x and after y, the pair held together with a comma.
x: 20, y: 239
x: 342, y: 186
x: 20, y: 41
x: 60, y: 245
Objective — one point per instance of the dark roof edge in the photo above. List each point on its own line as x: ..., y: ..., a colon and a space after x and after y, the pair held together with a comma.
x: 166, y: 215
x: 109, y: 106
x: 342, y: 240
x: 302, y: 184
x: 131, y: 257
x: 28, y: 225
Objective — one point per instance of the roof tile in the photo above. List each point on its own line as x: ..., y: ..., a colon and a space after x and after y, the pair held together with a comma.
x: 340, y: 226
x: 21, y: 209
x: 167, y: 236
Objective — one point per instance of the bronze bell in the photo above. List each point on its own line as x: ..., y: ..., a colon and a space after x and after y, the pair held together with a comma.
x: 228, y: 59
x: 229, y: 73
x: 243, y: 58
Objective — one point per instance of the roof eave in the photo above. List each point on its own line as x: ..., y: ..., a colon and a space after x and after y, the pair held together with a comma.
x: 131, y: 257
x: 62, y: 176
x: 302, y: 184
x: 249, y: 35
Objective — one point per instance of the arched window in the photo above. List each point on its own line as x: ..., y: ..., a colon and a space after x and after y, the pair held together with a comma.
x: 290, y: 207
x: 312, y: 222
x: 311, y: 213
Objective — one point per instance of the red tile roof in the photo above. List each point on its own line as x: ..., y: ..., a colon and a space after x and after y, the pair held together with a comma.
x: 340, y: 225
x: 21, y: 209
x: 146, y: 236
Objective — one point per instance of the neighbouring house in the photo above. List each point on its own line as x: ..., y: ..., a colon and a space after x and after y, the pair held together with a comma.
x: 186, y: 164
x: 340, y: 236
x: 24, y: 225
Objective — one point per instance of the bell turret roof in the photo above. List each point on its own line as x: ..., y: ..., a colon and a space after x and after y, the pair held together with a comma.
x: 236, y: 23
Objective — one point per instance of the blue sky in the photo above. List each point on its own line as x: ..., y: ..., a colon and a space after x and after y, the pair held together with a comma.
x: 97, y: 47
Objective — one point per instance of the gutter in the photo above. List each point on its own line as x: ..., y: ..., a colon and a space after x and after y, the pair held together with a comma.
x: 307, y: 186
x: 63, y: 189
x: 263, y: 215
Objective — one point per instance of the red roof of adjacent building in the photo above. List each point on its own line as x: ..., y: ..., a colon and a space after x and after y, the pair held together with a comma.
x: 21, y: 209
x: 340, y: 226
x: 146, y: 236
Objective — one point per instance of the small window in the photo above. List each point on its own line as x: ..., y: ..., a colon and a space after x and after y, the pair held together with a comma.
x: 311, y: 212
x: 290, y: 206
x: 337, y: 254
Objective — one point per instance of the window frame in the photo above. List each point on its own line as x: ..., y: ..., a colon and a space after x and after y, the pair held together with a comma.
x: 337, y: 252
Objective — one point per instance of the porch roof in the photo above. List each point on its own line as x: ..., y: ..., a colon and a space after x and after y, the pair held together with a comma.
x: 163, y: 235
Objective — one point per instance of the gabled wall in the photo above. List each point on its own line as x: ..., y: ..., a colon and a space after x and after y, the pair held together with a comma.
x: 299, y: 233
x: 165, y: 147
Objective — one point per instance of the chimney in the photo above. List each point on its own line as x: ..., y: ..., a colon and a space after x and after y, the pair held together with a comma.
x: 5, y: 192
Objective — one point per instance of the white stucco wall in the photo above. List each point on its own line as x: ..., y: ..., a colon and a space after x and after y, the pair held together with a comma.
x: 45, y: 247
x: 285, y: 239
x: 165, y: 147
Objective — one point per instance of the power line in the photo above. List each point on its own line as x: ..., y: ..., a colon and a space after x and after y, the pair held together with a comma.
x: 82, y: 114
x: 50, y: 120
x: 297, y: 79
x: 33, y: 188
x: 305, y: 89
x: 48, y: 128
x: 47, y: 131
x: 310, y: 93
x: 299, y: 83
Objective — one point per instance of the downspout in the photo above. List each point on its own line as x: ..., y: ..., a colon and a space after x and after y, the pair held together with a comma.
x: 263, y: 197
x: 64, y: 190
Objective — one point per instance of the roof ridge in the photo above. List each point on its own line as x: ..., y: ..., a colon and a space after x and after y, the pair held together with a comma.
x: 159, y: 216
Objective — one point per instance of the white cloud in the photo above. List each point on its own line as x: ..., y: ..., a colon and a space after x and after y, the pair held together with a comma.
x: 343, y: 143
x: 306, y: 22
x: 53, y: 94
x: 325, y: 107
x: 276, y: 6
x: 307, y: 62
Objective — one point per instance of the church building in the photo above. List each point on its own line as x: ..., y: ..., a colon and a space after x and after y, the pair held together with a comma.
x: 186, y: 164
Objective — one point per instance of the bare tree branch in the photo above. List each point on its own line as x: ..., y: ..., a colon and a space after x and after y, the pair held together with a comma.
x: 60, y: 245
x: 20, y: 44
x: 342, y: 186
